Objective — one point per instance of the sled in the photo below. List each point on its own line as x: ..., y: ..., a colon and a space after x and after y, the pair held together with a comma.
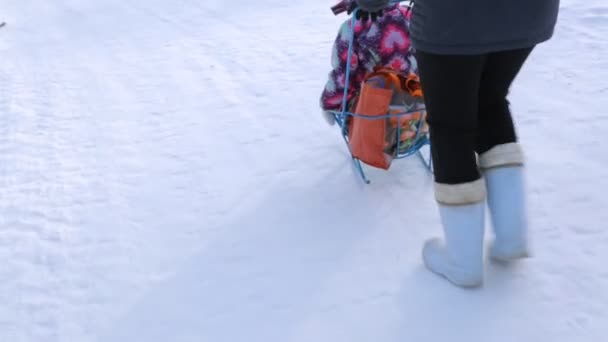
x: 342, y: 117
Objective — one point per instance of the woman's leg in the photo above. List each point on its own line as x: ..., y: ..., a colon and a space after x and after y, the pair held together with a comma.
x: 494, y: 117
x: 501, y: 158
x: 451, y: 86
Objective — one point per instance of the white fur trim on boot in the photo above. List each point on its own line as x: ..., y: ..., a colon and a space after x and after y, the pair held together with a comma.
x: 502, y: 155
x: 460, y: 194
x: 460, y: 258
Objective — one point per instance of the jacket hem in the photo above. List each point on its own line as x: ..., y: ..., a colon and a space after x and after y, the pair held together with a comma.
x: 481, y: 48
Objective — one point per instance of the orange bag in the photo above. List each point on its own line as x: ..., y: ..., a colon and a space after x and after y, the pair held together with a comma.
x: 385, y: 91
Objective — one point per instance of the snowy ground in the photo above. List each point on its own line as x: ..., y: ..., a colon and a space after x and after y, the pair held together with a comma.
x: 165, y: 175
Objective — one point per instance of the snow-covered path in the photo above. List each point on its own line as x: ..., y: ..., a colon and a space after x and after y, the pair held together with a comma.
x: 165, y: 175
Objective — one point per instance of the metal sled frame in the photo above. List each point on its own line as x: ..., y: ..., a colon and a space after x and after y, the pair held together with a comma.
x: 342, y: 116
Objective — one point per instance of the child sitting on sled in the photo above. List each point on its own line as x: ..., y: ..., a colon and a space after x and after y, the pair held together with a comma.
x: 381, y: 58
x: 383, y: 42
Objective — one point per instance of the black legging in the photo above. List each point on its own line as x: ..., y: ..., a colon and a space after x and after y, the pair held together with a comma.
x: 468, y: 111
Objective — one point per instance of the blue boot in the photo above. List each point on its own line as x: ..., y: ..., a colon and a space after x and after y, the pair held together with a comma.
x: 460, y: 257
x: 504, y: 174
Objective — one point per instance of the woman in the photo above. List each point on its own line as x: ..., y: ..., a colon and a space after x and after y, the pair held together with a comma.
x: 469, y: 52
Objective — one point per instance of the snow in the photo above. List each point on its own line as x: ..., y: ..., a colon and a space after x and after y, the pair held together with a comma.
x: 165, y: 175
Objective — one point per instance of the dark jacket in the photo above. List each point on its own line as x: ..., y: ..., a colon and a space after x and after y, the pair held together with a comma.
x: 481, y: 26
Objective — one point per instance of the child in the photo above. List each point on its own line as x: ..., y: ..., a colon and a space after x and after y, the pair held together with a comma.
x: 381, y: 42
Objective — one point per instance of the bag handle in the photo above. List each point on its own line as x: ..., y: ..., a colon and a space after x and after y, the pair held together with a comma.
x: 412, y: 84
x: 390, y: 77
